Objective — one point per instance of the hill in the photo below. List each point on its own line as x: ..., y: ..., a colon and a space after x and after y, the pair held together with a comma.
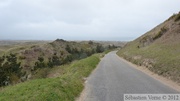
x: 116, y: 43
x: 21, y: 61
x: 158, y: 49
x: 7, y: 45
x: 65, y: 86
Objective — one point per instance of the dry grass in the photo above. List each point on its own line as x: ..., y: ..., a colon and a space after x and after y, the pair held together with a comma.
x: 162, y: 55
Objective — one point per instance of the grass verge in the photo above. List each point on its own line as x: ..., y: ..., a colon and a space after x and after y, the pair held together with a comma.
x: 66, y: 87
x: 159, y: 58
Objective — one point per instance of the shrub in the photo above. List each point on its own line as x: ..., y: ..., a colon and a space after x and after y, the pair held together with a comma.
x: 90, y: 42
x: 55, y: 60
x: 9, y: 69
x: 22, y: 57
x: 68, y: 49
x: 99, y: 48
x: 160, y: 33
x: 177, y: 18
x: 40, y: 63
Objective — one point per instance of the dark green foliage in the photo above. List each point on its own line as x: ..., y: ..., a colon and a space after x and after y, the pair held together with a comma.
x: 41, y: 59
x: 55, y: 60
x: 40, y: 63
x: 13, y: 65
x: 88, y: 53
x: 83, y: 55
x: 68, y: 49
x: 3, y: 75
x: 99, y: 49
x: 71, y: 50
x: 50, y: 63
x: 2, y: 59
x: 75, y: 51
x: 75, y: 56
x: 93, y: 51
x: 9, y: 68
x: 112, y: 46
x: 2, y: 78
x: 60, y: 40
x: 69, y: 58
x: 90, y: 42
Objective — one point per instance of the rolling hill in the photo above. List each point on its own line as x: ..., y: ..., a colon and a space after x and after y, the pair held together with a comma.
x: 21, y: 61
x: 158, y: 49
x: 66, y: 85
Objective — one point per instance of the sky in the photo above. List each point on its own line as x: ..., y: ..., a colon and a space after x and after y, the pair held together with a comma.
x: 110, y: 20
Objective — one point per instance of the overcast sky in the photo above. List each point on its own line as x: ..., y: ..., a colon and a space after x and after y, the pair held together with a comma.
x: 118, y: 20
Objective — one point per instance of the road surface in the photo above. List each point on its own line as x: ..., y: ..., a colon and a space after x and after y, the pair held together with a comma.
x: 113, y: 78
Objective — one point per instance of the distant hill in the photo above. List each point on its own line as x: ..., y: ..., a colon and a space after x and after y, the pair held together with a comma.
x: 158, y: 49
x: 116, y: 43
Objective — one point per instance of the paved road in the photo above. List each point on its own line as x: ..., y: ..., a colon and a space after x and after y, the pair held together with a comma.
x: 113, y: 78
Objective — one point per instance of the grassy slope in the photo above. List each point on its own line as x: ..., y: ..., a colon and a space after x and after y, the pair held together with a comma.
x: 14, y: 46
x: 28, y: 52
x: 66, y: 87
x: 162, y: 54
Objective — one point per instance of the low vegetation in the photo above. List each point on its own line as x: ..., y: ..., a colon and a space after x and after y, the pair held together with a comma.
x: 10, y: 70
x: 66, y: 86
x: 34, y: 60
x: 177, y: 18
x: 160, y: 33
x: 158, y: 50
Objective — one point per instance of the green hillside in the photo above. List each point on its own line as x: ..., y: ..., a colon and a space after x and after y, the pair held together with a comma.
x: 20, y: 61
x: 158, y: 49
x: 65, y: 86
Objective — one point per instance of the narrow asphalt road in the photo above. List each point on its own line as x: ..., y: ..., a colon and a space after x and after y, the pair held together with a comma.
x: 113, y: 78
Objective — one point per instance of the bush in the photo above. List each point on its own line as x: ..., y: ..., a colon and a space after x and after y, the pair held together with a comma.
x: 90, y: 42
x: 22, y: 57
x: 99, y: 49
x: 10, y: 70
x: 68, y: 49
x: 160, y: 33
x: 177, y: 18
x: 40, y: 63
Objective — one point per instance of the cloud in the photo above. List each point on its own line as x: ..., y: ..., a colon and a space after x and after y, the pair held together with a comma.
x: 82, y: 19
